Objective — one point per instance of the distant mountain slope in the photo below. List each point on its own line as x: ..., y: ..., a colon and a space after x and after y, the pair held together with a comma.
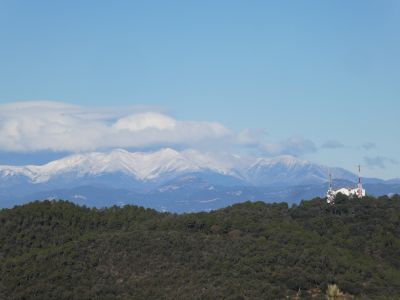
x: 139, y: 165
x: 292, y: 171
x: 172, y: 180
x: 167, y: 164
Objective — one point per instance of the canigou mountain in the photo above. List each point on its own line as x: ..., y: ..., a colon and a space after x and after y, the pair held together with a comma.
x: 172, y: 180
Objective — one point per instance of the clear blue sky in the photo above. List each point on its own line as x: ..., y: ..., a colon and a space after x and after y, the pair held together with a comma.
x: 322, y: 70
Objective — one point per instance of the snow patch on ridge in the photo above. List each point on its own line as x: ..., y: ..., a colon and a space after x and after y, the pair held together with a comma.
x: 140, y: 165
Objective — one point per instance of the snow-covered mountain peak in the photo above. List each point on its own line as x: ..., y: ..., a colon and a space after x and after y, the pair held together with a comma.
x: 119, y: 151
x: 287, y: 160
x: 139, y: 165
x: 167, y: 151
x: 166, y: 164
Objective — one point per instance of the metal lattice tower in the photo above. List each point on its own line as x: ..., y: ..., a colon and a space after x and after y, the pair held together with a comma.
x: 330, y: 194
x: 359, y: 186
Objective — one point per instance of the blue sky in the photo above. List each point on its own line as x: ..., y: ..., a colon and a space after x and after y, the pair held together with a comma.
x: 322, y: 76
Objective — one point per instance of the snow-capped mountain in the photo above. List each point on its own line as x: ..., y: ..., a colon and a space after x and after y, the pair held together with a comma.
x: 173, y: 180
x: 290, y: 170
x: 138, y: 165
x: 120, y: 168
x: 166, y: 164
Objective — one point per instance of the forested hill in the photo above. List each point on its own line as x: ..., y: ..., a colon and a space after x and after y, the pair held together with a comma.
x: 57, y: 250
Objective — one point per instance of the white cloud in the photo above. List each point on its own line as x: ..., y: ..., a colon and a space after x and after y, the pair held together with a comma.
x: 36, y: 126
x: 332, y: 144
x: 368, y: 146
x: 144, y: 121
x: 379, y: 161
x: 249, y: 137
x: 295, y: 146
x: 54, y: 126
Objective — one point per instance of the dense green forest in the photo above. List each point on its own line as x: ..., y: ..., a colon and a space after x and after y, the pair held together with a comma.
x: 58, y: 250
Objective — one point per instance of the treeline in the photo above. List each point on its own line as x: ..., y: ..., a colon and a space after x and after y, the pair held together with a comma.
x: 58, y: 250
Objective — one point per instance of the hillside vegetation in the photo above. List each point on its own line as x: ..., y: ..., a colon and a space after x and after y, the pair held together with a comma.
x: 58, y: 250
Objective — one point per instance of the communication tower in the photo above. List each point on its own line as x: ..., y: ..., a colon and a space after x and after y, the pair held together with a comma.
x: 330, y: 194
x: 360, y: 192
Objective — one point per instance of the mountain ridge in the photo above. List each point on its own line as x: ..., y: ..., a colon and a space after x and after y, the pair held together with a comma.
x: 176, y: 181
x: 147, y: 166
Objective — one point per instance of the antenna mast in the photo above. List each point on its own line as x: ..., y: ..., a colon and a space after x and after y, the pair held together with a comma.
x: 360, y: 189
x: 330, y: 195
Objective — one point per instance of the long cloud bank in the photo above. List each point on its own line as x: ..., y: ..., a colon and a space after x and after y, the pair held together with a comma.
x: 55, y: 126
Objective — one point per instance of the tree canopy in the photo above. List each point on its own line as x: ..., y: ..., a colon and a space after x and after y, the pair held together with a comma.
x: 252, y: 250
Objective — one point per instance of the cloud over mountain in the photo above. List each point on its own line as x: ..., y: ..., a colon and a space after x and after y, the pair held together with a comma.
x: 55, y: 126
x: 379, y: 161
x: 43, y: 125
x: 332, y: 144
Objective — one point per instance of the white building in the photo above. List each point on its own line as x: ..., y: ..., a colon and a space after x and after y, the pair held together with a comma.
x: 350, y: 192
x: 358, y: 192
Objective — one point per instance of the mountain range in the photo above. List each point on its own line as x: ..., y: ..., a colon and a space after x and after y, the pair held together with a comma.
x: 173, y: 180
